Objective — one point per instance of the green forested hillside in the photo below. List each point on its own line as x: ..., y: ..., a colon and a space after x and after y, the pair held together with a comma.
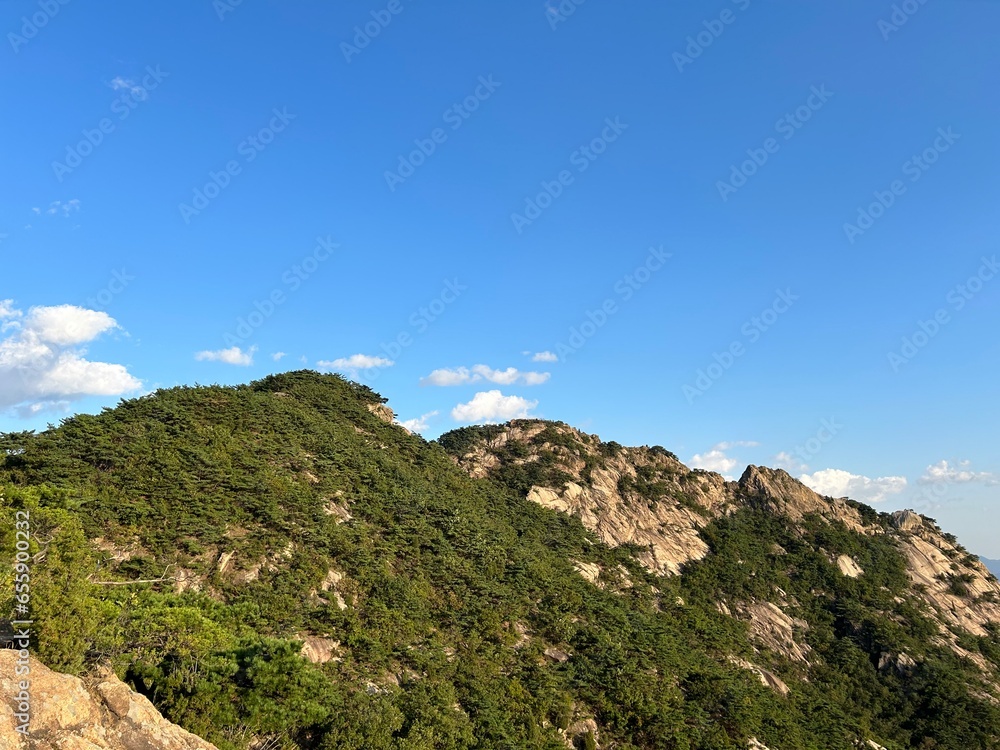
x: 196, y: 538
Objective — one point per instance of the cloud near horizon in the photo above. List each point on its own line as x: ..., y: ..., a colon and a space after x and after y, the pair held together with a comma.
x: 492, y: 406
x: 839, y: 483
x: 717, y: 460
x: 419, y: 424
x: 944, y: 471
x: 42, y: 363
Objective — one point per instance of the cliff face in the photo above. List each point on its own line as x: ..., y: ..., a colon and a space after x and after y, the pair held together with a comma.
x: 99, y: 713
x: 646, y: 497
x: 959, y: 588
x: 638, y: 496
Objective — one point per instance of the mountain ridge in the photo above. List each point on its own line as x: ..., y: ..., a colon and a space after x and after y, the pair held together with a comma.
x: 577, y: 482
x: 277, y: 564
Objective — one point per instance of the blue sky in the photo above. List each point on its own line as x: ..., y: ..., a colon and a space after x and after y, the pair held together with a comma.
x: 750, y: 232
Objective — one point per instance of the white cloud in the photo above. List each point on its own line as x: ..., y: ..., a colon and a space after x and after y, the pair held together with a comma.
x: 70, y: 375
x: 355, y: 362
x: 277, y: 356
x: 231, y: 356
x: 118, y: 83
x: 492, y: 406
x: 37, y: 210
x: 536, y: 378
x: 479, y: 373
x: 66, y: 325
x: 420, y: 423
x: 41, y: 365
x: 58, y: 207
x: 943, y: 471
x: 790, y: 463
x: 544, y: 357
x: 7, y: 310
x: 714, y: 460
x: 840, y: 483
x: 460, y: 376
x: 501, y: 377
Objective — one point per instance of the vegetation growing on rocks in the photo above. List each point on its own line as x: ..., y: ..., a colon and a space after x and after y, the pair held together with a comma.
x: 194, y: 539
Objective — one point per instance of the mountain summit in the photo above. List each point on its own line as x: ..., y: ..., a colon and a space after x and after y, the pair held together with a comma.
x: 279, y: 565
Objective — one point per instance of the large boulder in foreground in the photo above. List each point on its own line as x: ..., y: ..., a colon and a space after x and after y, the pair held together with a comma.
x: 98, y: 713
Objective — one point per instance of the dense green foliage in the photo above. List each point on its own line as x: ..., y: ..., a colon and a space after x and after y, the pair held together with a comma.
x: 460, y: 599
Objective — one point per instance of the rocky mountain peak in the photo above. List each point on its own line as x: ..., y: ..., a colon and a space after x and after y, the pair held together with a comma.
x: 776, y: 490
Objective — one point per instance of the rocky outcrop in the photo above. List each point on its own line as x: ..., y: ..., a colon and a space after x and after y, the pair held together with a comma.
x: 768, y: 679
x: 576, y: 734
x: 901, y: 664
x: 96, y: 713
x: 639, y: 496
x: 777, y: 491
x: 667, y: 533
x: 907, y: 520
x: 647, y: 498
x: 772, y: 628
x: 383, y: 412
x: 320, y: 650
x: 849, y: 567
x: 953, y: 583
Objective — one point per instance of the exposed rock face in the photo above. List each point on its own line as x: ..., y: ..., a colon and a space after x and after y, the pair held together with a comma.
x: 646, y: 497
x: 383, y: 412
x: 99, y: 713
x: 320, y: 650
x: 906, y: 520
x: 576, y: 733
x: 952, y: 582
x: 776, y: 490
x: 849, y: 567
x: 606, y: 491
x: 902, y: 664
x: 557, y: 654
x: 669, y: 534
x: 772, y: 628
x: 768, y: 679
x: 590, y: 571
